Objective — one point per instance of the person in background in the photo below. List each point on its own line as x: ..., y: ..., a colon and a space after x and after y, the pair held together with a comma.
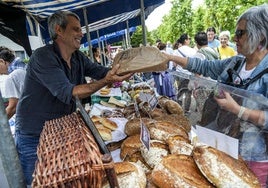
x: 204, y: 51
x: 184, y: 51
x: 13, y: 84
x: 212, y: 41
x: 53, y: 82
x: 251, y: 38
x: 96, y: 55
x: 224, y: 49
x: 164, y: 80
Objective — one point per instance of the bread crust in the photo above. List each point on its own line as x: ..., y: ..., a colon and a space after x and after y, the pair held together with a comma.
x: 222, y: 169
x: 178, y: 171
x: 109, y: 123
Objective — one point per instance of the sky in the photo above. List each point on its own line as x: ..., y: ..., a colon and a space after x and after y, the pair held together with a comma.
x: 155, y: 18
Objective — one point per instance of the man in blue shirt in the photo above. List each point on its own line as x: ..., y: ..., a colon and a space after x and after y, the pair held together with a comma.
x: 55, y: 76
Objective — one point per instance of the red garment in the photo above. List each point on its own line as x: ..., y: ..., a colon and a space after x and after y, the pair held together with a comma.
x: 261, y: 171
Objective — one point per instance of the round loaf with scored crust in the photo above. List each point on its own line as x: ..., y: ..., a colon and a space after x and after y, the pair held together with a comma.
x: 129, y: 175
x: 130, y: 146
x: 133, y: 126
x: 179, y: 145
x: 222, y: 169
x: 178, y: 171
x: 161, y: 130
x: 179, y: 120
x: 156, y: 152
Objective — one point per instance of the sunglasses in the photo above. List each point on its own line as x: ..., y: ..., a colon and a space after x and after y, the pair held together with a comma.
x: 239, y: 33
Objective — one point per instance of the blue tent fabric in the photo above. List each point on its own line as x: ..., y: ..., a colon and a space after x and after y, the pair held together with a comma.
x: 106, y: 16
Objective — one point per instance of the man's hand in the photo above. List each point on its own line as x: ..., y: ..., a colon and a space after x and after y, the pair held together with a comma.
x: 112, y: 75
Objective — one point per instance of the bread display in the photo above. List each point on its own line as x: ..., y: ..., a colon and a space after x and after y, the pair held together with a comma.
x: 129, y: 175
x: 222, y: 169
x: 141, y: 59
x: 178, y: 171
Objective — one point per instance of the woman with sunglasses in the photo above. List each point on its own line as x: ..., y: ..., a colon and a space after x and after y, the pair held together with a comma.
x: 251, y: 38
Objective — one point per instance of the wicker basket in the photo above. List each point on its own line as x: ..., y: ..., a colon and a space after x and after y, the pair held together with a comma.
x: 68, y: 155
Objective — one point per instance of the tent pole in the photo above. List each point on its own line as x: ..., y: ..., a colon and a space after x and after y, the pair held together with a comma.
x: 144, y: 37
x: 99, y: 45
x: 88, y: 35
x: 8, y: 152
x: 128, y: 36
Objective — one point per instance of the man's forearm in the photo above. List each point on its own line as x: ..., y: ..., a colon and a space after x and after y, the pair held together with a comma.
x: 85, y: 90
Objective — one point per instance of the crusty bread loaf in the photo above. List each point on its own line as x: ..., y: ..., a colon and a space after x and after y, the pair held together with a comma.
x: 179, y: 145
x: 223, y: 170
x: 161, y: 130
x: 109, y: 123
x: 179, y: 120
x: 154, y: 155
x: 133, y: 126
x: 129, y: 175
x: 130, y: 146
x: 178, y: 171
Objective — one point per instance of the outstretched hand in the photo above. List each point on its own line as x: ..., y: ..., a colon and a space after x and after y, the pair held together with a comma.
x: 227, y: 103
x: 112, y: 75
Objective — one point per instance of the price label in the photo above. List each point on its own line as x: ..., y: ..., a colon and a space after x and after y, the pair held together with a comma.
x: 145, y: 135
x: 153, y: 102
x: 136, y: 107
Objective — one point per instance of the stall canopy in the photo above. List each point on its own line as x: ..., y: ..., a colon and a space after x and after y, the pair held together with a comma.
x: 104, y: 16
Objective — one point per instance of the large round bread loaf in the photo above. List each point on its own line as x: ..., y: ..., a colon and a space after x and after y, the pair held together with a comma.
x: 161, y: 130
x: 178, y: 171
x: 156, y: 152
x: 129, y: 175
x: 223, y: 170
x: 179, y: 145
x: 133, y: 126
x: 130, y: 146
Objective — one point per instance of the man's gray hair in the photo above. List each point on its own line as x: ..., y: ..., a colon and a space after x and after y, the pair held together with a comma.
x: 59, y: 18
x: 257, y: 26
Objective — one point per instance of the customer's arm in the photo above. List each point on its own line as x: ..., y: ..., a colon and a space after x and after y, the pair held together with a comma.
x: 85, y: 90
x: 228, y: 103
x: 11, y: 108
x: 182, y: 61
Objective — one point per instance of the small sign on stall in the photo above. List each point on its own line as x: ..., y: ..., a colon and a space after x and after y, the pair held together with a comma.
x: 145, y: 135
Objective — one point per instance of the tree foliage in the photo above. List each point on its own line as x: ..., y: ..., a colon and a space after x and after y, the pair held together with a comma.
x: 183, y: 18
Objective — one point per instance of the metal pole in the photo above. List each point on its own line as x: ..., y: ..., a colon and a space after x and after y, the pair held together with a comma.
x: 88, y: 35
x: 144, y: 36
x: 99, y: 45
x: 128, y: 36
x: 8, y: 153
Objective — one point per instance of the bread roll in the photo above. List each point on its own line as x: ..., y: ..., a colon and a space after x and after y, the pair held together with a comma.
x: 95, y: 118
x: 105, y: 133
x: 129, y: 175
x: 105, y: 91
x: 156, y: 152
x: 109, y: 123
x: 178, y: 171
x: 223, y: 170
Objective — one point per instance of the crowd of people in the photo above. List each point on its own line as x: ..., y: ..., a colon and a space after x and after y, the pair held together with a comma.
x: 48, y: 88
